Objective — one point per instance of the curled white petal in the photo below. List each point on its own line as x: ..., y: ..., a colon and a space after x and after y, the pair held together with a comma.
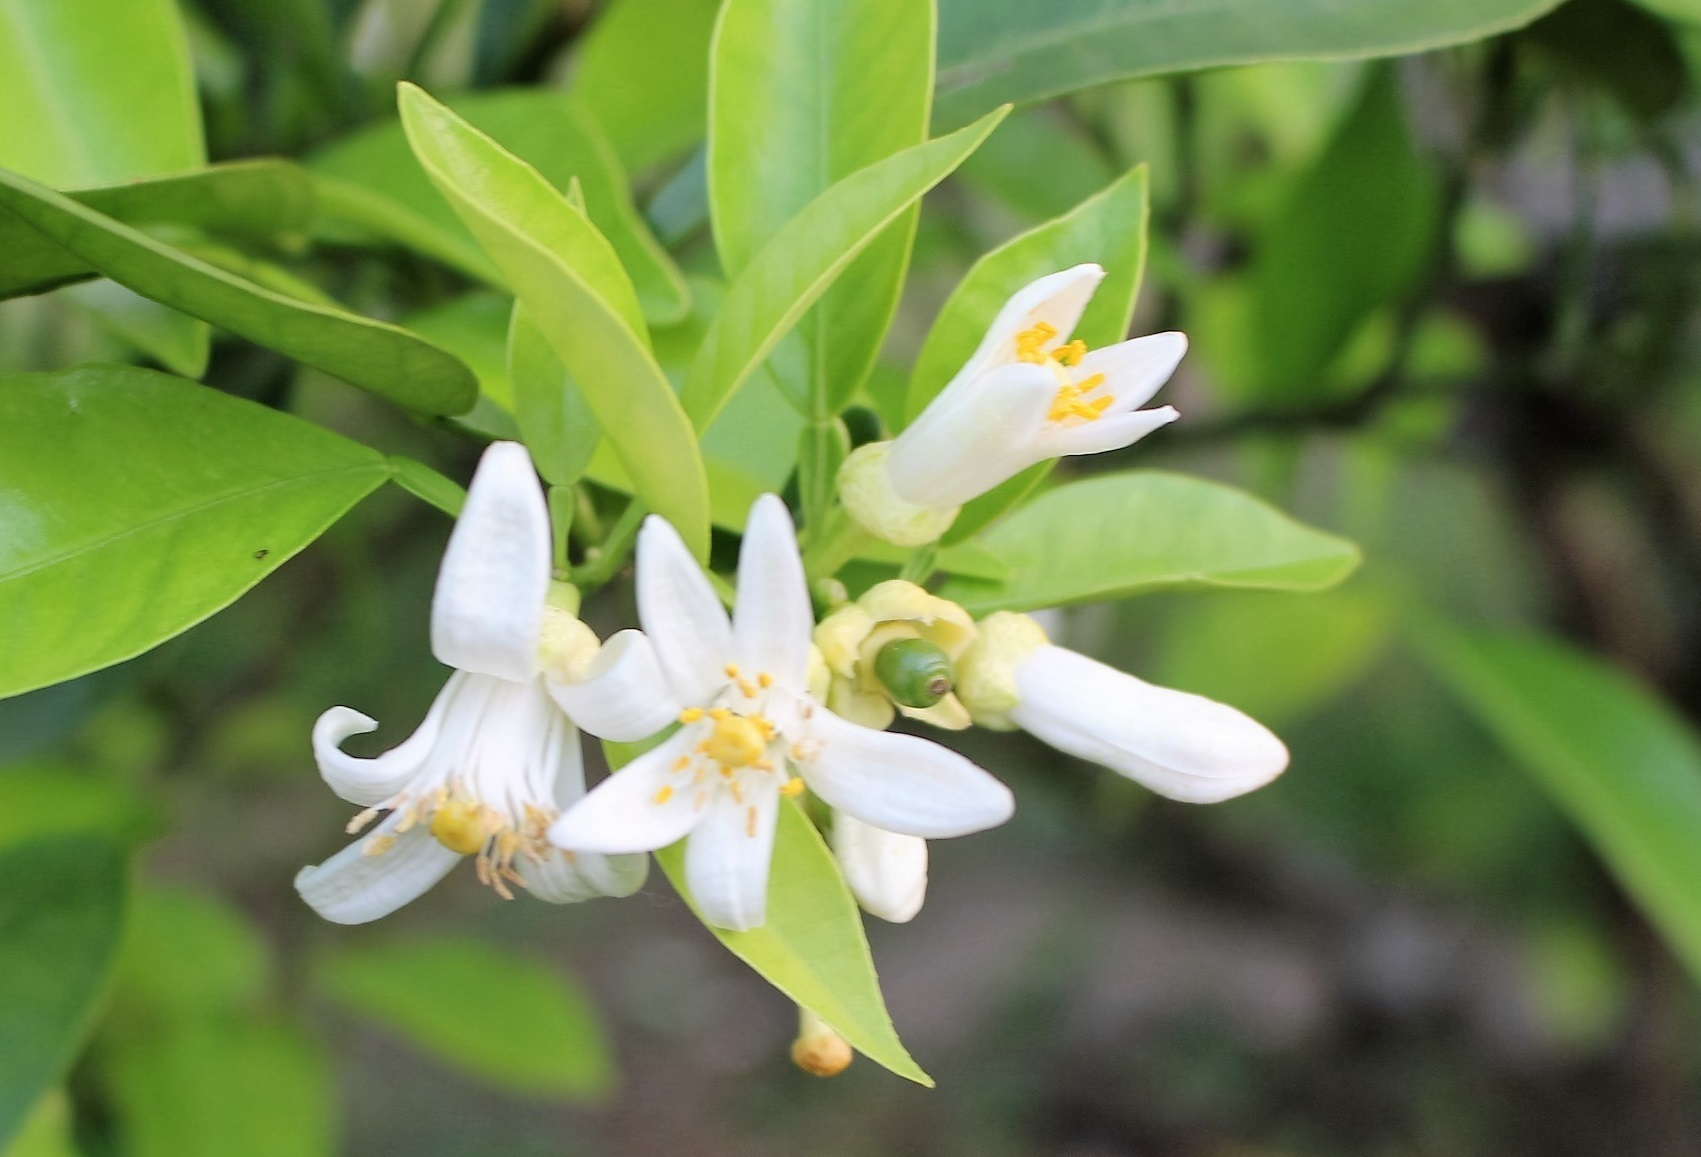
x: 728, y: 853
x: 1134, y: 370
x: 887, y: 872
x: 1182, y: 746
x: 370, y: 782
x: 898, y: 782
x: 681, y: 614
x: 355, y: 886
x: 773, y: 620
x: 488, y: 607
x: 629, y: 811
x: 624, y: 695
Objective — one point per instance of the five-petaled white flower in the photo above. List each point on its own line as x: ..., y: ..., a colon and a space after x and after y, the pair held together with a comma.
x: 496, y: 760
x: 1029, y: 394
x: 1180, y: 745
x: 747, y: 723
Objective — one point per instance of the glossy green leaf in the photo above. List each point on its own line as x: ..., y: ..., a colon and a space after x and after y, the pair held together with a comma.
x: 245, y: 199
x: 514, y: 1022
x: 803, y: 258
x: 803, y: 93
x: 570, y: 280
x: 997, y: 51
x: 61, y: 914
x: 1355, y: 234
x: 47, y: 1132
x: 555, y: 419
x: 645, y: 75
x: 1623, y: 764
x: 137, y: 504
x: 374, y: 355
x: 372, y: 180
x: 178, y: 342
x: 1120, y: 534
x: 812, y: 947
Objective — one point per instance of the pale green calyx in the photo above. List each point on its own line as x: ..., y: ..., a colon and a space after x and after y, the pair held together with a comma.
x: 986, y: 673
x: 566, y: 647
x: 865, y: 487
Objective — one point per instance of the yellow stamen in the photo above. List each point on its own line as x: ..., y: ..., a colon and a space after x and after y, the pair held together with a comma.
x: 750, y: 822
x: 361, y: 820
x: 731, y: 670
x: 663, y: 794
x: 691, y: 715
x: 378, y: 845
x: 736, y: 741
x: 459, y: 826
x: 765, y: 679
x: 1070, y: 354
x: 682, y: 763
x: 792, y: 787
x: 1030, y: 343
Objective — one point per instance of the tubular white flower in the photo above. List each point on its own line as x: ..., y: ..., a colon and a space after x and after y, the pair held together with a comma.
x: 747, y: 721
x: 1028, y: 395
x: 1183, y: 746
x: 495, y: 760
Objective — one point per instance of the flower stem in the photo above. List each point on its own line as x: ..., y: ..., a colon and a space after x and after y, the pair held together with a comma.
x: 840, y: 538
x: 603, y: 560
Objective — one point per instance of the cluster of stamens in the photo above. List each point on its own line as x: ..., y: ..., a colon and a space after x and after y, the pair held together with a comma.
x: 1071, y: 399
x: 735, y: 741
x: 469, y: 828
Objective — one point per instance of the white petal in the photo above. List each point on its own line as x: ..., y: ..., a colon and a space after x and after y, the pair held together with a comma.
x: 681, y: 614
x: 899, y: 782
x: 570, y: 877
x: 621, y: 814
x: 1183, y: 746
x: 886, y: 872
x: 352, y: 887
x: 966, y: 443
x: 1135, y: 370
x: 727, y: 856
x: 624, y: 695
x: 1111, y: 432
x: 1057, y: 299
x: 370, y: 782
x: 774, y: 620
x: 488, y: 607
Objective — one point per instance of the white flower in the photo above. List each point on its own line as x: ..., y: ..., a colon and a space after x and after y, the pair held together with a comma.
x: 886, y: 871
x: 1026, y: 396
x: 495, y: 760
x: 748, y: 721
x: 1182, y: 746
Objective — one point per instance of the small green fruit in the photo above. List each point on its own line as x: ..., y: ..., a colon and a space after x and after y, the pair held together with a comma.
x: 914, y: 672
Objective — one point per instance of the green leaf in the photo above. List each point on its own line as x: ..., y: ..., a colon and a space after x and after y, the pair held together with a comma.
x: 803, y: 93
x: 138, y: 504
x: 1120, y: 534
x: 812, y: 947
x: 426, y: 484
x: 1355, y: 234
x: 374, y: 355
x: 61, y: 911
x: 1683, y: 11
x: 571, y: 282
x: 247, y: 199
x: 997, y: 51
x: 1621, y: 763
x: 39, y: 801
x: 373, y: 180
x: 47, y: 1132
x: 555, y: 420
x: 803, y: 258
x: 643, y: 69
x: 178, y: 342
x: 1619, y: 49
x: 190, y: 954
x: 96, y: 92
x: 514, y: 1022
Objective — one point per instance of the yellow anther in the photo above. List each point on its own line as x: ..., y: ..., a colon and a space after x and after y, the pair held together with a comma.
x: 750, y: 822
x: 747, y: 688
x: 1030, y: 343
x: 731, y: 670
x: 792, y: 787
x: 691, y: 715
x: 1088, y: 385
x: 720, y: 713
x: 378, y: 845
x: 737, y: 740
x: 682, y: 763
x: 1070, y: 354
x: 663, y: 794
x: 765, y: 679
x: 1067, y: 403
x: 737, y: 791
x: 763, y: 765
x: 459, y: 826
x: 361, y: 820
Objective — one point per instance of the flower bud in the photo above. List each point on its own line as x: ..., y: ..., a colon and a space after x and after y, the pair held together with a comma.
x: 986, y: 674
x: 914, y: 671
x: 853, y: 638
x: 865, y: 487
x: 819, y: 1050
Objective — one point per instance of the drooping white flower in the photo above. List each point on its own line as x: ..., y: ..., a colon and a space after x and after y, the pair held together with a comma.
x: 886, y: 871
x: 1180, y: 745
x: 495, y: 760
x: 1029, y: 394
x: 748, y: 723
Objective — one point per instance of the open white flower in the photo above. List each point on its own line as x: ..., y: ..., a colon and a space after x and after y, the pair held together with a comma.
x: 495, y: 760
x: 1029, y: 394
x: 748, y: 722
x: 1183, y: 746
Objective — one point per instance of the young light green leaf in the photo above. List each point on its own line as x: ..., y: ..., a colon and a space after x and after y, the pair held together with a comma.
x: 138, y: 504
x: 1620, y: 762
x: 371, y: 354
x: 427, y: 485
x: 571, y: 282
x: 645, y: 74
x: 61, y: 910
x: 805, y: 256
x: 812, y: 947
x: 997, y: 51
x: 532, y: 1030
x: 1120, y: 534
x: 555, y: 420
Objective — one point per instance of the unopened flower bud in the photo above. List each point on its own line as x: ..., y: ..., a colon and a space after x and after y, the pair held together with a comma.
x: 819, y: 1050
x: 865, y: 487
